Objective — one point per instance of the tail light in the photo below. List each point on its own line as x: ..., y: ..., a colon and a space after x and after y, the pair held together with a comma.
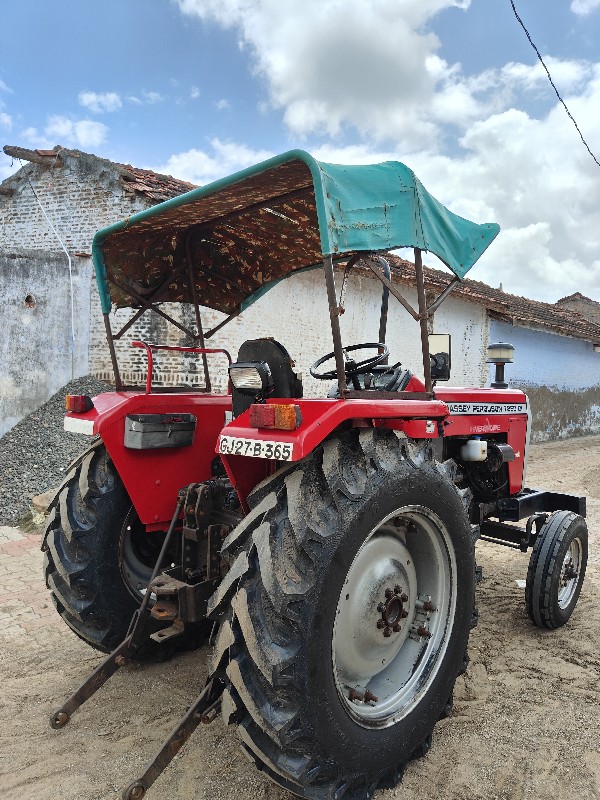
x: 279, y: 416
x: 78, y: 403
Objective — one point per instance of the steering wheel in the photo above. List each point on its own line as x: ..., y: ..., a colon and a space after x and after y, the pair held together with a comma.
x: 351, y: 367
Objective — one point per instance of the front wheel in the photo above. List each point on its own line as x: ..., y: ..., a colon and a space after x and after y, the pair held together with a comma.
x: 348, y: 614
x: 556, y: 569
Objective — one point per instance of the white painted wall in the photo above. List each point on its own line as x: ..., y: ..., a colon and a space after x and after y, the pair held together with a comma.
x: 80, y: 197
x: 35, y: 347
x: 295, y: 312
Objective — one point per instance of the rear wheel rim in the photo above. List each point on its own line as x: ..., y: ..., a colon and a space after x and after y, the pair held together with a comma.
x: 394, y: 617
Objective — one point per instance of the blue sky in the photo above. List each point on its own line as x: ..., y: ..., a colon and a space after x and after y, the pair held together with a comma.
x: 199, y: 89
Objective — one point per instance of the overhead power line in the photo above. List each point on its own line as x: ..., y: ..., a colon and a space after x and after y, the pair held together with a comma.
x: 571, y: 117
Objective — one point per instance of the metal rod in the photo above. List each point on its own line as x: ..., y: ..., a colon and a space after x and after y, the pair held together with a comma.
x: 125, y: 651
x: 423, y: 320
x: 118, y: 658
x: 163, y: 550
x: 150, y: 307
x: 203, y: 710
x: 188, y: 254
x: 149, y: 301
x: 385, y: 296
x: 441, y: 297
x: 334, y: 314
x: 113, y: 353
x: 502, y: 542
x: 221, y: 324
x: 391, y: 287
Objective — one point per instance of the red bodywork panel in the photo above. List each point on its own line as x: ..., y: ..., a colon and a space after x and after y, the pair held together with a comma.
x: 485, y: 412
x: 153, y: 477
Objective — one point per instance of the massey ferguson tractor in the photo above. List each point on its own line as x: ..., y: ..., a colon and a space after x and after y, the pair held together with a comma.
x: 325, y: 546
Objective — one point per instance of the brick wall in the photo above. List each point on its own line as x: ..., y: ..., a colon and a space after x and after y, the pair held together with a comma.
x: 80, y: 197
x: 589, y: 309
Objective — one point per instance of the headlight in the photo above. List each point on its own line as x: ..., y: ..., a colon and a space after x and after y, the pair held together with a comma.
x: 252, y: 377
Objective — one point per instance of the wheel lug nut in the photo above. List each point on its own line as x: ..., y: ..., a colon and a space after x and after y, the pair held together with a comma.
x: 396, y: 628
x: 388, y: 593
x: 380, y: 624
x: 404, y: 613
x: 404, y: 598
x: 397, y: 589
x: 381, y: 608
x: 387, y: 632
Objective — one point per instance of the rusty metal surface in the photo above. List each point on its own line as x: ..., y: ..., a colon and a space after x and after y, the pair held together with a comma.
x: 118, y: 658
x: 203, y: 711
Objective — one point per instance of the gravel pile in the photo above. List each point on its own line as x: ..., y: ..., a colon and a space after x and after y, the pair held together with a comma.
x: 35, y: 453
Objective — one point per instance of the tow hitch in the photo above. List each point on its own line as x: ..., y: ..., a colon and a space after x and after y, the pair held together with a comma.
x: 176, y: 603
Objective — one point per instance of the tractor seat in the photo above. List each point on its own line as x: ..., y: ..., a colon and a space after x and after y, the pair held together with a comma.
x: 381, y: 378
x: 286, y: 381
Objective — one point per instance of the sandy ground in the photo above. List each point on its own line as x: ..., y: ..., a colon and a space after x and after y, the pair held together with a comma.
x: 526, y: 721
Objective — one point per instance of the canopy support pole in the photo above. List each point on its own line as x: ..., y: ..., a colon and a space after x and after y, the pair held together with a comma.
x: 334, y: 314
x: 113, y: 354
x: 423, y: 321
x: 188, y: 254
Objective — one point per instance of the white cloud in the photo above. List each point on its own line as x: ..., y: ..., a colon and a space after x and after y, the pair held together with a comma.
x: 201, y: 167
x: 352, y: 154
x: 152, y: 97
x: 5, y: 120
x: 223, y: 104
x: 375, y: 78
x: 4, y: 87
x: 194, y: 92
x: 99, y: 103
x: 534, y: 177
x: 59, y: 129
x: 334, y: 64
x: 583, y: 7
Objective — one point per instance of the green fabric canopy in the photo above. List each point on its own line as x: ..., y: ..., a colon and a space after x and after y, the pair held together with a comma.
x: 230, y: 241
x: 383, y: 206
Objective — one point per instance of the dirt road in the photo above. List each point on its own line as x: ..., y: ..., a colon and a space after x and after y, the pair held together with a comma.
x: 526, y: 720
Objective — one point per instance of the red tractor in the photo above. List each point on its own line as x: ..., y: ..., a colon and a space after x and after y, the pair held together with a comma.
x: 327, y: 544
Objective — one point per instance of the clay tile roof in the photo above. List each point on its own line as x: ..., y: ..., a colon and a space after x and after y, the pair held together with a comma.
x: 576, y: 296
x: 153, y: 185
x: 509, y: 308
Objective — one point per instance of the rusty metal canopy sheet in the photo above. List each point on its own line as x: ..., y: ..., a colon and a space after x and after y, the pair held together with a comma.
x: 230, y: 241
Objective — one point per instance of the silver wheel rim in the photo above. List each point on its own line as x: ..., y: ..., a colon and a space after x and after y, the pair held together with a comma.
x: 569, y: 573
x: 394, y: 617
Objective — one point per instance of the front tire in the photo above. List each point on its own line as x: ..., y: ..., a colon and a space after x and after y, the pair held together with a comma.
x: 556, y: 570
x: 347, y: 614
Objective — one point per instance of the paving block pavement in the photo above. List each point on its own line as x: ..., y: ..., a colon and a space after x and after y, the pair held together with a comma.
x: 25, y: 604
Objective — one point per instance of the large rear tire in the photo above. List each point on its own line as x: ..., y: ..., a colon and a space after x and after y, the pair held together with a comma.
x: 346, y: 614
x: 98, y: 556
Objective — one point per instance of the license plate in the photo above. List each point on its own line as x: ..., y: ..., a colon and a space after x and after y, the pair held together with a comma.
x: 234, y: 446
